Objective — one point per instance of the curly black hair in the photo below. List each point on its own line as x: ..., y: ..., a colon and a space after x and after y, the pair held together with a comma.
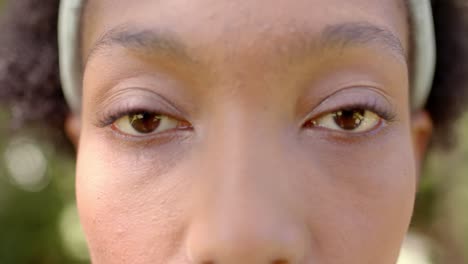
x: 29, y: 76
x: 30, y: 84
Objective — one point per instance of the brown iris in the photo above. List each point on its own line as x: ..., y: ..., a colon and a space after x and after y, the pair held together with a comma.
x: 145, y: 122
x: 349, y: 119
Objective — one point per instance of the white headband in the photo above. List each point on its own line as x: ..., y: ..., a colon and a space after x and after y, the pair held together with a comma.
x: 424, y: 51
x: 69, y: 52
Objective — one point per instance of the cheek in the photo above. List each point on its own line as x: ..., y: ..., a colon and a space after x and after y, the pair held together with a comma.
x: 355, y: 199
x: 361, y: 205
x: 128, y: 204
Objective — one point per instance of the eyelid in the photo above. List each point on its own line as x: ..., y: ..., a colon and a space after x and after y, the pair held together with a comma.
x: 133, y: 100
x: 353, y: 97
x: 371, y: 106
x: 112, y: 117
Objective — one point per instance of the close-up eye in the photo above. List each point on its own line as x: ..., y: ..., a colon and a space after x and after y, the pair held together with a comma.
x: 145, y: 123
x: 354, y: 120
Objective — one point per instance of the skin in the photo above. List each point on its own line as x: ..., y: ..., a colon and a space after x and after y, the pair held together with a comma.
x: 250, y: 180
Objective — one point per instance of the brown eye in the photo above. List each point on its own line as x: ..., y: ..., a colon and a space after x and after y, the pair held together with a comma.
x: 348, y: 120
x: 147, y: 123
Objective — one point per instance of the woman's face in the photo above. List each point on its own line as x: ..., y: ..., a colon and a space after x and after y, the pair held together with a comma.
x: 262, y: 132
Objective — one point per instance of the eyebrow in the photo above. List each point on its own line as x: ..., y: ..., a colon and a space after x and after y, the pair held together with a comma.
x: 149, y: 42
x: 363, y: 33
x: 167, y: 43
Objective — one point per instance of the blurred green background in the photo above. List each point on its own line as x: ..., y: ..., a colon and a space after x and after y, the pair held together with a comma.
x: 39, y: 222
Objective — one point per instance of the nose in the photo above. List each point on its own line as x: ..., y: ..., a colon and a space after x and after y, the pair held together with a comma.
x: 237, y: 234
x: 255, y: 240
x: 242, y: 211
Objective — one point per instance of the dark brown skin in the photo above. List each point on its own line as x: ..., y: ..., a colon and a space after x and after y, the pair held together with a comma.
x: 244, y: 158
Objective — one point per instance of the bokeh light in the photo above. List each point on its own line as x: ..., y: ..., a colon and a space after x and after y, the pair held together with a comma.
x: 26, y: 165
x: 415, y: 250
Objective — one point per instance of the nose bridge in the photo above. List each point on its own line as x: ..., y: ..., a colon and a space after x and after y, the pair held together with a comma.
x: 242, y: 215
x: 244, y: 157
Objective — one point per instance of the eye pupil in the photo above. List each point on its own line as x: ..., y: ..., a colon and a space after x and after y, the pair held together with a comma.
x: 145, y: 122
x: 349, y: 119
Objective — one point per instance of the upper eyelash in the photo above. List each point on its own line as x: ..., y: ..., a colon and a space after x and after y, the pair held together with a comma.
x: 108, y: 118
x: 373, y: 106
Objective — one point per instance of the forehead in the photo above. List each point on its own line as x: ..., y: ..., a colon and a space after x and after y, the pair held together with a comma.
x: 240, y: 22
